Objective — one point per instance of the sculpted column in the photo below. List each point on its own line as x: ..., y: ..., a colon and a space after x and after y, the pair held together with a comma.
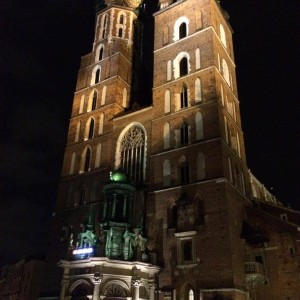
x: 151, y: 290
x: 64, y: 284
x: 96, y: 281
x: 136, y: 288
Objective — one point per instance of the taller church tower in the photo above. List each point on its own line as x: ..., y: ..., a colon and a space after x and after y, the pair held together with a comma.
x: 157, y: 202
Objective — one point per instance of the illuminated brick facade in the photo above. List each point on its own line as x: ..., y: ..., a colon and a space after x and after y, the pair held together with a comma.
x: 187, y: 220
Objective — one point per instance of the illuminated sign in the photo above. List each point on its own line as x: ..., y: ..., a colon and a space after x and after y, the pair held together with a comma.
x: 83, y: 251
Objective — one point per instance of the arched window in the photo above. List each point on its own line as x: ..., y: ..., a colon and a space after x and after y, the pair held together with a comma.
x: 131, y: 152
x: 167, y: 101
x: 184, y: 96
x: 182, y: 30
x: 72, y: 167
x: 184, y: 171
x: 169, y: 70
x: 124, y: 101
x: 225, y: 71
x: 198, y: 19
x: 92, y: 101
x: 191, y: 293
x: 166, y: 35
x: 183, y: 66
x: 223, y: 35
x: 199, y: 126
x: 85, y: 160
x: 201, y: 167
x: 173, y: 217
x: 198, y: 59
x: 96, y: 75
x: 103, y: 96
x: 166, y: 173
x: 184, y: 134
x: 98, y: 156
x: 222, y: 94
x: 81, y: 292
x: 167, y: 135
x: 121, y: 24
x: 198, y: 90
x: 103, y: 26
x: 77, y: 132
x: 81, y: 104
x: 99, y: 53
x: 101, y: 123
x: 89, y: 129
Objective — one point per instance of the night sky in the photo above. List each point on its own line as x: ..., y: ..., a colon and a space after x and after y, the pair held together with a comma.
x: 40, y: 47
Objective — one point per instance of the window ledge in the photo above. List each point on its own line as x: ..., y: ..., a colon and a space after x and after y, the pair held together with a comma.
x: 191, y: 265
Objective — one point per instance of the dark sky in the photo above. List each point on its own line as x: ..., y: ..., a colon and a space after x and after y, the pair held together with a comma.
x: 40, y: 47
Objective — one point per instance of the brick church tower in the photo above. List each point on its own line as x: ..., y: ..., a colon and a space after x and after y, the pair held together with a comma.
x: 156, y: 202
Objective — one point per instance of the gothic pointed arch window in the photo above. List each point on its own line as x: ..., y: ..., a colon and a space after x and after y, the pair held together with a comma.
x: 85, y: 160
x: 81, y: 104
x: 182, y: 30
x: 103, y: 26
x: 167, y: 135
x: 80, y: 290
x: 72, y: 166
x: 191, y: 295
x: 225, y: 71
x: 101, y: 123
x: 92, y: 101
x: 198, y: 58
x: 166, y: 35
x: 166, y: 173
x: 198, y: 90
x: 89, y: 129
x: 77, y: 131
x: 103, y: 95
x: 99, y: 53
x: 184, y: 134
x: 167, y: 101
x: 223, y: 35
x: 121, y: 24
x: 184, y: 171
x: 96, y: 75
x: 184, y: 96
x: 169, y: 70
x: 199, y: 126
x: 201, y: 166
x: 131, y: 152
x: 183, y: 66
x: 124, y: 99
x: 98, y: 156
